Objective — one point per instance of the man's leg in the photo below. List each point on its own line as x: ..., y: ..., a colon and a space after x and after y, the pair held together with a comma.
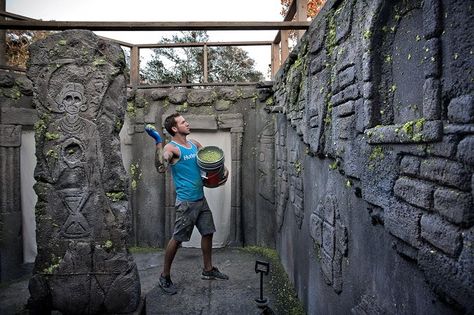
x: 170, y: 253
x: 206, y: 246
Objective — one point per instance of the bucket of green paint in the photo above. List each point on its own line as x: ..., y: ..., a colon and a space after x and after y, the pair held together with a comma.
x: 210, y: 160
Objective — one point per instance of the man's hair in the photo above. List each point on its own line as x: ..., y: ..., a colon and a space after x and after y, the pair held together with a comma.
x: 170, y: 122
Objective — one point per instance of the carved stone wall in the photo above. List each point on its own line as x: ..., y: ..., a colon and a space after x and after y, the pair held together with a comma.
x: 377, y: 103
x: 237, y: 110
x: 83, y: 265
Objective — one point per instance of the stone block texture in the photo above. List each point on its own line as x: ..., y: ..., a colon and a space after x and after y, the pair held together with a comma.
x: 389, y: 109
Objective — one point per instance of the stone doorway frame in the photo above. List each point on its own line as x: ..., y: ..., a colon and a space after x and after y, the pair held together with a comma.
x: 233, y: 123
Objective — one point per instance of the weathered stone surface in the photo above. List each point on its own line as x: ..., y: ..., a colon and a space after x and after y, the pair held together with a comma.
x: 407, y: 156
x: 402, y: 221
x: 454, y: 205
x: 461, y: 109
x: 415, y: 192
x: 225, y: 121
x: 449, y: 278
x: 229, y: 93
x: 6, y: 80
x: 159, y: 94
x: 432, y: 22
x: 368, y: 305
x: 343, y: 20
x: 345, y: 78
x: 446, y: 148
x: 441, y: 234
x: 24, y: 85
x: 202, y: 122
x: 222, y: 105
x: 344, y: 110
x: 446, y: 171
x: 328, y: 239
x: 432, y: 58
x: 316, y: 229
x: 82, y: 218
x: 20, y: 116
x: 432, y: 99
x: 201, y: 97
x: 178, y: 96
x: 10, y: 135
x: 465, y: 152
x: 350, y: 93
x: 410, y: 132
x: 410, y: 165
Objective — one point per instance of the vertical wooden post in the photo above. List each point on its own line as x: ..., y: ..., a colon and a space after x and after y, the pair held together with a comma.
x: 3, y: 50
x: 301, y: 14
x: 135, y: 66
x: 275, y: 59
x: 205, y: 63
x: 284, y: 46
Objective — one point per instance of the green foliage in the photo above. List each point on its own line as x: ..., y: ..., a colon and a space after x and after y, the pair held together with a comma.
x: 287, y: 300
x: 116, y: 196
x: 135, y: 175
x: 186, y: 64
x: 51, y: 136
x: 55, y: 262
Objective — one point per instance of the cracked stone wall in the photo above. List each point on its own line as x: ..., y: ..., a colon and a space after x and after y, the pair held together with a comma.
x: 374, y: 159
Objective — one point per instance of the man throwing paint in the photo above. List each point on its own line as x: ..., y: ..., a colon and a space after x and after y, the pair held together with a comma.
x: 191, y: 205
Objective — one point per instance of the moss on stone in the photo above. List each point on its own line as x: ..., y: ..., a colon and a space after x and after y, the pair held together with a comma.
x: 413, y: 129
x: 116, y: 196
x: 51, y: 136
x: 131, y: 109
x: 298, y: 168
x: 135, y: 175
x: 108, y: 244
x: 52, y: 153
x: 55, y: 262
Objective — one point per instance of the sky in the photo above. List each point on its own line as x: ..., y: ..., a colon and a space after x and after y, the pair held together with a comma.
x: 162, y: 10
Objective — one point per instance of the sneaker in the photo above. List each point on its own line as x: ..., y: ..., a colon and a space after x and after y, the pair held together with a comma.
x: 214, y: 273
x: 167, y: 285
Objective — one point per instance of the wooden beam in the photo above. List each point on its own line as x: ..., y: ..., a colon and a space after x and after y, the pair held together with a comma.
x: 152, y: 26
x: 135, y: 66
x: 290, y: 14
x: 129, y: 45
x: 301, y: 14
x: 291, y: 11
x: 275, y: 59
x: 284, y: 46
x: 202, y: 44
x: 152, y: 86
x: 15, y: 16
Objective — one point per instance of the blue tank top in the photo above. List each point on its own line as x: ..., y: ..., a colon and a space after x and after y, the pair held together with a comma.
x: 186, y: 174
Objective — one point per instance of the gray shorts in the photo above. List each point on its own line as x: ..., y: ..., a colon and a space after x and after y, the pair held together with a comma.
x: 190, y: 214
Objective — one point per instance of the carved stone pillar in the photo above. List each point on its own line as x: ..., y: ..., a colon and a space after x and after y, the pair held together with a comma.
x: 11, y: 247
x: 83, y: 222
